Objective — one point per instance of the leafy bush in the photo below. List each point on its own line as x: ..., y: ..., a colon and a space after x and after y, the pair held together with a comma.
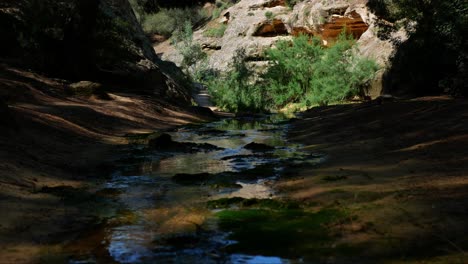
x: 138, y: 10
x: 192, y: 53
x: 305, y: 72
x: 269, y: 15
x: 166, y: 21
x: 215, y: 32
x: 292, y: 3
x: 220, y: 6
x: 301, y: 71
x: 233, y: 91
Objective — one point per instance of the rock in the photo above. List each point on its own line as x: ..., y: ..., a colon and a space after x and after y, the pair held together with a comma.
x: 203, y: 111
x: 258, y: 147
x: 191, y: 178
x: 250, y: 29
x: 165, y: 143
x: 98, y: 40
x: 272, y: 28
x: 84, y: 88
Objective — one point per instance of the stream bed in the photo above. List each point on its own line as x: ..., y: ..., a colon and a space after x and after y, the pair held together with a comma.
x: 212, y: 205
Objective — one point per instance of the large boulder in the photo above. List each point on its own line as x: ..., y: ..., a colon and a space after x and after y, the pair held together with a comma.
x: 98, y: 40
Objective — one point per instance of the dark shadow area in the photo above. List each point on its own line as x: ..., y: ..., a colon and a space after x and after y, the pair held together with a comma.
x: 434, y: 60
x: 400, y: 167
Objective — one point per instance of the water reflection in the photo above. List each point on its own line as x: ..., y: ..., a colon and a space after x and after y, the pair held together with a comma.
x: 171, y: 223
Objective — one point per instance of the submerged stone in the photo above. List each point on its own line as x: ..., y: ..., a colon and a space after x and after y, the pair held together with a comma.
x: 165, y: 143
x: 258, y: 147
x: 192, y: 178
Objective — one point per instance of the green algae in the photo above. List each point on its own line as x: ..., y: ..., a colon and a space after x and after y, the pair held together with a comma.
x: 288, y: 233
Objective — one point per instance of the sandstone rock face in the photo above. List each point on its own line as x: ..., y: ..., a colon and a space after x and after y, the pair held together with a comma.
x: 98, y: 40
x: 256, y: 25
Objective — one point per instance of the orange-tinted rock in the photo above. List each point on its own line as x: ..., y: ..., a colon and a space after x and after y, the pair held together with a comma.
x: 297, y: 31
x: 272, y: 28
x: 330, y: 31
x: 275, y: 3
x: 353, y: 23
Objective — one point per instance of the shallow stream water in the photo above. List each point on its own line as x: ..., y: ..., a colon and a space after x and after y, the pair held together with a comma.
x: 161, y: 220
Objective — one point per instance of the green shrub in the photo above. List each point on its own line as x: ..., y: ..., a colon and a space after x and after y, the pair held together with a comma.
x: 192, y: 53
x: 220, y: 6
x: 301, y: 72
x: 166, y: 21
x: 160, y: 23
x: 292, y: 3
x: 233, y: 91
x: 215, y: 32
x: 305, y: 72
x: 269, y: 15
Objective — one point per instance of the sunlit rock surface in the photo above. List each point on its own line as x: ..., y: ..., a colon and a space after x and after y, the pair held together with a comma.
x: 256, y: 25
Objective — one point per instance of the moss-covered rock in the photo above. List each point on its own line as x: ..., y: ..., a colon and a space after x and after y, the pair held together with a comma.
x: 284, y: 233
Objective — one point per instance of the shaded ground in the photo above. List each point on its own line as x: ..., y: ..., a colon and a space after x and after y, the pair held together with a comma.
x: 401, y: 170
x: 50, y: 139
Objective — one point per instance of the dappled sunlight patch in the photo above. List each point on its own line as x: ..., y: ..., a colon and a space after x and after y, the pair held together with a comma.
x: 167, y: 221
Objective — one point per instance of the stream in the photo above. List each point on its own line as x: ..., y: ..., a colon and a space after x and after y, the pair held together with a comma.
x: 175, y: 207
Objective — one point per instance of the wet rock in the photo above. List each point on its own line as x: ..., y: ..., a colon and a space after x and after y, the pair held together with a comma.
x: 259, y: 172
x: 214, y: 132
x: 258, y: 147
x: 192, y: 178
x: 182, y: 241
x: 204, y: 111
x: 165, y: 143
x: 109, y: 192
x: 226, y: 185
x: 248, y: 156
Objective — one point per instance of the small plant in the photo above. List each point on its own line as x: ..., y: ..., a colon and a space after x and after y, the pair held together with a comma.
x: 250, y: 14
x: 269, y: 15
x: 301, y: 72
x: 220, y: 6
x: 234, y: 90
x: 291, y: 3
x: 322, y: 20
x: 166, y: 21
x: 215, y: 32
x: 192, y: 53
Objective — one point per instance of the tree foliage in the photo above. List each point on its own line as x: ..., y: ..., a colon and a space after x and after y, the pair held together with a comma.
x: 234, y: 90
x: 192, y: 53
x: 305, y: 72
x: 300, y: 72
x: 435, y: 58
